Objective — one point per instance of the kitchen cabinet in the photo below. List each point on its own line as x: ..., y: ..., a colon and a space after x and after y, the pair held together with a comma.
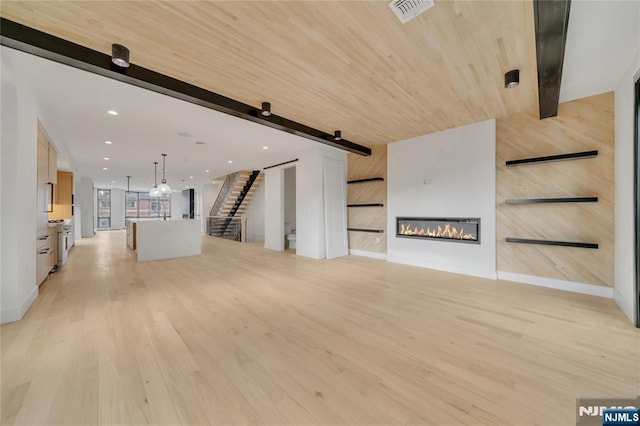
x: 53, y: 247
x: 63, y: 206
x: 53, y: 165
x: 47, y: 158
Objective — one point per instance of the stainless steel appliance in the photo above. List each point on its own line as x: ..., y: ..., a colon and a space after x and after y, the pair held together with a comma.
x: 64, y: 244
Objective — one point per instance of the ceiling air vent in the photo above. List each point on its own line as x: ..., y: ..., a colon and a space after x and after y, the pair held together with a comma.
x: 406, y: 10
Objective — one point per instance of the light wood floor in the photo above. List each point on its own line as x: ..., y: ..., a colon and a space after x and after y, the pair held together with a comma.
x: 244, y: 335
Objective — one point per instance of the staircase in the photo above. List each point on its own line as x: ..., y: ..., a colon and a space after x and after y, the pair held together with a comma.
x: 225, y: 217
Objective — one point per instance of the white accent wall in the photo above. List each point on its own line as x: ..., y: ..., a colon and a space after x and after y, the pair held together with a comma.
x: 85, y: 198
x: 624, y: 293
x: 18, y: 140
x: 310, y: 231
x: 117, y: 208
x: 446, y: 174
x: 254, y: 212
x: 274, y: 209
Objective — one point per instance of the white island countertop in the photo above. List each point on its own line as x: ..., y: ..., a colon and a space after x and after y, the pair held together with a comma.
x: 165, y: 239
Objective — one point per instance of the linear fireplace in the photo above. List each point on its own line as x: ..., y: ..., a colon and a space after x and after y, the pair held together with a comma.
x: 462, y: 230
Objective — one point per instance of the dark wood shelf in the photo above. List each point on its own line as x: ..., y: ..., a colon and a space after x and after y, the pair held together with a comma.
x: 551, y: 200
x: 550, y: 158
x: 373, y: 179
x: 379, y: 231
x: 366, y: 205
x: 552, y: 243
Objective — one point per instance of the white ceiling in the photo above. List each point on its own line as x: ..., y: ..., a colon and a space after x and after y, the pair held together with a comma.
x: 74, y: 104
x: 602, y: 39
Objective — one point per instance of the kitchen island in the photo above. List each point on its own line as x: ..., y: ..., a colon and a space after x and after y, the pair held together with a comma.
x: 164, y: 239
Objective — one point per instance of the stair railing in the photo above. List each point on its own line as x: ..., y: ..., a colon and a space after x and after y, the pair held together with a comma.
x: 230, y: 228
x: 224, y: 192
x: 240, y: 199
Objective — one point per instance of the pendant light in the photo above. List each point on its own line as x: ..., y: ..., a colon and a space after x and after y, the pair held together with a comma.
x: 163, y: 188
x: 154, y: 191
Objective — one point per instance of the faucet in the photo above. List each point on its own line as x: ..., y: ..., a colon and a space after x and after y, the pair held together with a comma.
x: 165, y: 210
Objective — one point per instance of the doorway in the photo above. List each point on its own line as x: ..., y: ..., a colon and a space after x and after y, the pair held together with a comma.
x: 290, y: 235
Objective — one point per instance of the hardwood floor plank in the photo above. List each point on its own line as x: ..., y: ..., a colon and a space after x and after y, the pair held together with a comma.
x: 243, y: 335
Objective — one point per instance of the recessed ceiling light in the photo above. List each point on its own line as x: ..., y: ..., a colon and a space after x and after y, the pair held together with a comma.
x: 108, y: 142
x: 206, y: 171
x: 229, y: 161
x: 104, y: 168
x: 113, y: 181
x: 190, y: 177
x: 106, y: 158
x: 265, y: 147
x: 112, y: 112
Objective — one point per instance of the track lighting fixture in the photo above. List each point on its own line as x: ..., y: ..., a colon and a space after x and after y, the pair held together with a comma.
x: 512, y: 79
x: 266, y: 109
x: 337, y: 135
x: 120, y: 55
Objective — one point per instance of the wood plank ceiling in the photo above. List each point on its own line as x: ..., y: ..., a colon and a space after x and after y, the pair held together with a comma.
x: 330, y: 65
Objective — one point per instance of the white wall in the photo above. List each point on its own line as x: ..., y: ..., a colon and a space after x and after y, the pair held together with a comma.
x: 176, y: 205
x: 290, y: 196
x: 19, y: 196
x: 274, y: 209
x: 85, y: 199
x: 446, y: 174
x: 624, y: 293
x: 255, y: 215
x: 117, y: 208
x: 310, y: 235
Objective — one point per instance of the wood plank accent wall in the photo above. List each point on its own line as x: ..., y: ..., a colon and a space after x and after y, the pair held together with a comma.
x: 368, y: 192
x: 581, y: 125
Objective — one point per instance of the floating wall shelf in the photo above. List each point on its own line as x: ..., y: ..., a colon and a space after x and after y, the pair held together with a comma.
x: 552, y: 243
x: 552, y: 200
x: 379, y: 231
x: 551, y: 158
x: 373, y: 179
x: 366, y: 205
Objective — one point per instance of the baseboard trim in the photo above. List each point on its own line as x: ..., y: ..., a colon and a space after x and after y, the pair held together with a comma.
x: 575, y: 287
x: 371, y: 254
x: 625, y: 305
x: 16, y: 314
x: 443, y: 267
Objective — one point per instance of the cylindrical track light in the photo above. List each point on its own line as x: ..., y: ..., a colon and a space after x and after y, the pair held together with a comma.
x: 120, y: 55
x: 337, y: 135
x: 266, y: 109
x: 512, y: 79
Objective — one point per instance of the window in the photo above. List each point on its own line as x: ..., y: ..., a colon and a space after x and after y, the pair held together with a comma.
x: 104, y: 208
x: 141, y: 205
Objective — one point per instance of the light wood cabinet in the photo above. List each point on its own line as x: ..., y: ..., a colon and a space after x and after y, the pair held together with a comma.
x: 53, y: 247
x: 53, y: 165
x: 62, y: 208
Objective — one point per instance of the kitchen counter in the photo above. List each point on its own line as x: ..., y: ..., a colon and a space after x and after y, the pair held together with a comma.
x: 165, y: 239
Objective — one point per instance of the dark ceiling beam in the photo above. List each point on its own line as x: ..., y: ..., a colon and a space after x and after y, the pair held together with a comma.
x: 551, y: 23
x: 38, y: 43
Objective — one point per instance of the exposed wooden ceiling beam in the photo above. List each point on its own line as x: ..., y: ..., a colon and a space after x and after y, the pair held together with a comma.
x: 47, y: 46
x: 551, y: 23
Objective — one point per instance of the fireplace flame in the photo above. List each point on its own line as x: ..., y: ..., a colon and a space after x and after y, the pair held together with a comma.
x: 447, y: 232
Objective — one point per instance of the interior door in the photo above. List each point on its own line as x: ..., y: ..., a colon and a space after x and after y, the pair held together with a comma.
x: 335, y: 207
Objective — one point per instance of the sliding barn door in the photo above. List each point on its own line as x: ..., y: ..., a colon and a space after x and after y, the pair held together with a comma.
x: 335, y: 207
